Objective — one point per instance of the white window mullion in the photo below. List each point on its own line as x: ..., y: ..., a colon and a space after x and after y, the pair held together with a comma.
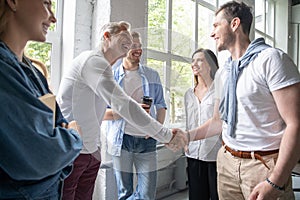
x: 54, y: 37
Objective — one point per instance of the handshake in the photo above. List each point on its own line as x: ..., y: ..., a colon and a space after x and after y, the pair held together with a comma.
x: 179, y: 140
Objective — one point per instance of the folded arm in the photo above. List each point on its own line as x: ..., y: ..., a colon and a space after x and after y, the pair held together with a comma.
x: 27, y: 137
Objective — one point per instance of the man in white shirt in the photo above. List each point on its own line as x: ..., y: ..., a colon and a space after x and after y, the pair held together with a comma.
x: 260, y: 109
x: 85, y: 91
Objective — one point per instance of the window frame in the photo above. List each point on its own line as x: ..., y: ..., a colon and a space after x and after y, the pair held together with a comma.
x: 168, y: 56
x: 55, y: 39
x: 263, y: 33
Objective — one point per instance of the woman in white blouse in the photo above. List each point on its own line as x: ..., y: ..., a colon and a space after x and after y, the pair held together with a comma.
x: 199, y: 105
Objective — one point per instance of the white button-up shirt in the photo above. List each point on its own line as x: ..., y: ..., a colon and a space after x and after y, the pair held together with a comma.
x: 196, y: 114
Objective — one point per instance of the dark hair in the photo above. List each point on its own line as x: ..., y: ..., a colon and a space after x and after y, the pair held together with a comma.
x: 4, y: 9
x: 211, y: 60
x: 241, y: 10
x: 135, y: 34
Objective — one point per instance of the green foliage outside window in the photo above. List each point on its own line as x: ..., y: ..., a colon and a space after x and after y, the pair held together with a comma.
x: 40, y: 51
x: 157, y: 24
x: 181, y: 80
x: 182, y: 45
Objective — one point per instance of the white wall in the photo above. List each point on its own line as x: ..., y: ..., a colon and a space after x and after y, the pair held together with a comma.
x: 77, y: 26
x: 91, y: 15
x: 101, y: 15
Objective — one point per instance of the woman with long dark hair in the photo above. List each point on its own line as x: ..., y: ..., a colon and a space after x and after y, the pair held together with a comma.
x: 199, y: 106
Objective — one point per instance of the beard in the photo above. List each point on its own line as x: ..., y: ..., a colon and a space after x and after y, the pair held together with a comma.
x: 228, y: 39
x: 134, y: 60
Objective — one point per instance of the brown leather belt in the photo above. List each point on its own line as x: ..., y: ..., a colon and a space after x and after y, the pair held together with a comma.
x: 250, y: 154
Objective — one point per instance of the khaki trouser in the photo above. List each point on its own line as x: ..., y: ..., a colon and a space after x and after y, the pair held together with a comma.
x: 238, y: 176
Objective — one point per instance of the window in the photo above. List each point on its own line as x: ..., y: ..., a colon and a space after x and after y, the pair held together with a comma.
x: 265, y: 20
x: 176, y: 29
x: 183, y: 28
x: 43, y: 51
x: 40, y: 51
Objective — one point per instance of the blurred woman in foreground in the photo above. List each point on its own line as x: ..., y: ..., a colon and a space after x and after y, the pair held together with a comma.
x: 36, y: 148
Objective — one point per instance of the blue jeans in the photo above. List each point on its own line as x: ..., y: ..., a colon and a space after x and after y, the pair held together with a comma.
x: 140, y: 153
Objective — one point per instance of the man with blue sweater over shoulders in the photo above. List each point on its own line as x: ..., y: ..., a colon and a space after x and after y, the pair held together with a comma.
x: 258, y: 115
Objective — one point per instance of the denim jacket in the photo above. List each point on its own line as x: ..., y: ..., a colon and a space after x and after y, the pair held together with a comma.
x: 34, y: 156
x: 151, y: 87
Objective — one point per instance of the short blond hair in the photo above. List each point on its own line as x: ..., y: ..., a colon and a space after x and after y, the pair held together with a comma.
x: 114, y: 28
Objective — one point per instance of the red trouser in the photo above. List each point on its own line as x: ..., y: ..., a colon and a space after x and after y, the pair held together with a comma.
x: 80, y: 184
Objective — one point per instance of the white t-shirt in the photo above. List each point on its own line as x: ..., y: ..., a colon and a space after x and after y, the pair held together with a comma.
x: 132, y: 84
x: 85, y: 92
x: 259, y: 125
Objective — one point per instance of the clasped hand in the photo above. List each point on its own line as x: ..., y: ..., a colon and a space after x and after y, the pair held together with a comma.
x: 178, y: 141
